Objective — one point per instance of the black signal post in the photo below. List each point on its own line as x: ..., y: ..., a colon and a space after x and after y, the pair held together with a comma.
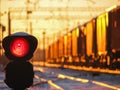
x: 19, y: 49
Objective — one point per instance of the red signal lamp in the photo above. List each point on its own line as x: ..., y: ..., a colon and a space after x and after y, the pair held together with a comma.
x: 19, y: 47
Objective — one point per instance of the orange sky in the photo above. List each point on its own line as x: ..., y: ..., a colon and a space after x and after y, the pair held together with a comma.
x: 54, y: 22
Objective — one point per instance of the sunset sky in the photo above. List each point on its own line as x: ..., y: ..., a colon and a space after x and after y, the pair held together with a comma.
x: 55, y: 17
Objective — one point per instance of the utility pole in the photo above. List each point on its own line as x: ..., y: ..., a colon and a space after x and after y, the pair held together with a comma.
x: 28, y: 12
x: 44, y: 59
x: 9, y: 23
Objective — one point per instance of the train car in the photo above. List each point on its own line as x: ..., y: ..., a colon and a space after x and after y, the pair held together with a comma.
x: 51, y: 50
x: 65, y: 46
x: 74, y: 46
x: 94, y: 44
x: 69, y: 48
x: 81, y: 47
x: 47, y: 53
x: 55, y: 51
x: 101, y: 38
x: 106, y: 43
x: 61, y: 49
x: 113, y: 38
x: 90, y: 42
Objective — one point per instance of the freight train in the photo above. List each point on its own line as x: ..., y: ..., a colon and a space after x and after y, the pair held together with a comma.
x: 94, y: 44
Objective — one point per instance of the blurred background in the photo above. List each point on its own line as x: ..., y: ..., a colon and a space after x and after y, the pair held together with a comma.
x: 48, y: 20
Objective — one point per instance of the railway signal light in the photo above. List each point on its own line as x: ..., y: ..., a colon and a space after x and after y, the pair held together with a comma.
x: 19, y: 46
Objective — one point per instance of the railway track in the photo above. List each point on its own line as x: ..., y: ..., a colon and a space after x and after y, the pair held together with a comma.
x: 57, y: 79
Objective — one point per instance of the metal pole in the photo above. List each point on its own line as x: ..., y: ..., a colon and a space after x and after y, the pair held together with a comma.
x: 9, y: 23
x: 31, y: 28
x: 44, y: 47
